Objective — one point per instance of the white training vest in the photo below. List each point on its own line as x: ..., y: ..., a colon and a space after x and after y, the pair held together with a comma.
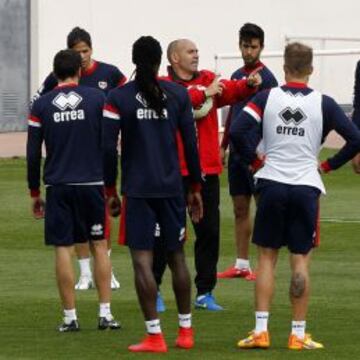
x: 292, y: 133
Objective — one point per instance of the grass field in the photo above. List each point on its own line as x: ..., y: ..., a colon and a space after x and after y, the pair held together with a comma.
x: 30, y: 309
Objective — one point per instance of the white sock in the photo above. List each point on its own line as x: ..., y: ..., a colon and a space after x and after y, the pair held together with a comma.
x: 153, y: 326
x: 242, y: 263
x: 298, y: 328
x: 185, y: 320
x: 104, y: 310
x: 261, y: 318
x: 85, y: 269
x: 69, y: 315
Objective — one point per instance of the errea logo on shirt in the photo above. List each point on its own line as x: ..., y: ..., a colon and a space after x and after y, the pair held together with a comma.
x: 63, y: 101
x: 67, y: 104
x: 149, y: 114
x: 291, y: 117
x: 141, y: 100
x: 146, y: 113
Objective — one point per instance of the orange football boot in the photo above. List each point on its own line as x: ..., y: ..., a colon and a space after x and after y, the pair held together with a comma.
x: 151, y: 343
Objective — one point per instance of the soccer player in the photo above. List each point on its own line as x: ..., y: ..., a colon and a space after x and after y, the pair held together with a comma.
x: 94, y: 73
x: 149, y: 112
x: 241, y: 180
x: 207, y: 94
x: 293, y: 120
x: 102, y: 76
x: 356, y: 113
x: 68, y: 119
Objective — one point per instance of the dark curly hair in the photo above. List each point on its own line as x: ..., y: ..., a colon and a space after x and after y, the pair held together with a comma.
x: 146, y: 55
x: 251, y: 31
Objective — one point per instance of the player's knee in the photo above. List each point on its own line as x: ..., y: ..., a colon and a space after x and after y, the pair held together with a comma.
x: 176, y: 259
x: 241, y: 212
x: 297, y: 285
x: 98, y: 246
x: 141, y: 265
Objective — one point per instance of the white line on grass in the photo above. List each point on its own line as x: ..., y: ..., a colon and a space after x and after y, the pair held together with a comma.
x: 340, y: 220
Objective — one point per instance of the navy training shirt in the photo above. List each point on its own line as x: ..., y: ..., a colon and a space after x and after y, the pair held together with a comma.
x: 68, y: 119
x: 268, y: 81
x: 149, y: 158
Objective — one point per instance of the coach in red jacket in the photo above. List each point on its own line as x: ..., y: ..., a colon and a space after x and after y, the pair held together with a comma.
x: 207, y: 94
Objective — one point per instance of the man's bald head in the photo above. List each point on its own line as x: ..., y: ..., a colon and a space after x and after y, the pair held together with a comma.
x: 177, y: 46
x: 171, y: 49
x: 183, y: 57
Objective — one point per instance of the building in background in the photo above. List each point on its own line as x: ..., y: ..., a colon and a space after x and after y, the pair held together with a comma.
x: 14, y: 64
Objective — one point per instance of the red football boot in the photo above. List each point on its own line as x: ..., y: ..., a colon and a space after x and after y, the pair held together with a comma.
x: 185, y: 339
x: 233, y: 272
x: 151, y: 343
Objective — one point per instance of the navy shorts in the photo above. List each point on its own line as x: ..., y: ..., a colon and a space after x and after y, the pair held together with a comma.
x: 241, y: 179
x: 141, y: 218
x: 74, y: 214
x: 287, y: 215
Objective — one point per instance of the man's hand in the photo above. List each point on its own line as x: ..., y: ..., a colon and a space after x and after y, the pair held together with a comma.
x: 254, y: 79
x: 195, y: 206
x: 114, y: 205
x: 356, y: 163
x: 215, y: 88
x: 38, y: 207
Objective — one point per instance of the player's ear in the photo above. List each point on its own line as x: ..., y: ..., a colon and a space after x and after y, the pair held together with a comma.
x: 311, y: 69
x: 174, y: 57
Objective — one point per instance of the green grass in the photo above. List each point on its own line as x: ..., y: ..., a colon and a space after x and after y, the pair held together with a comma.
x: 30, y: 309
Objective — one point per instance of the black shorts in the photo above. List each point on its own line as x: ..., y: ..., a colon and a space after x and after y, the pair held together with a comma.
x: 241, y: 179
x: 142, y: 218
x: 287, y: 215
x: 74, y: 214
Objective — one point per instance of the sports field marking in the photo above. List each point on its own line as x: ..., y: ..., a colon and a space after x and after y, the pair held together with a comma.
x: 340, y: 220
